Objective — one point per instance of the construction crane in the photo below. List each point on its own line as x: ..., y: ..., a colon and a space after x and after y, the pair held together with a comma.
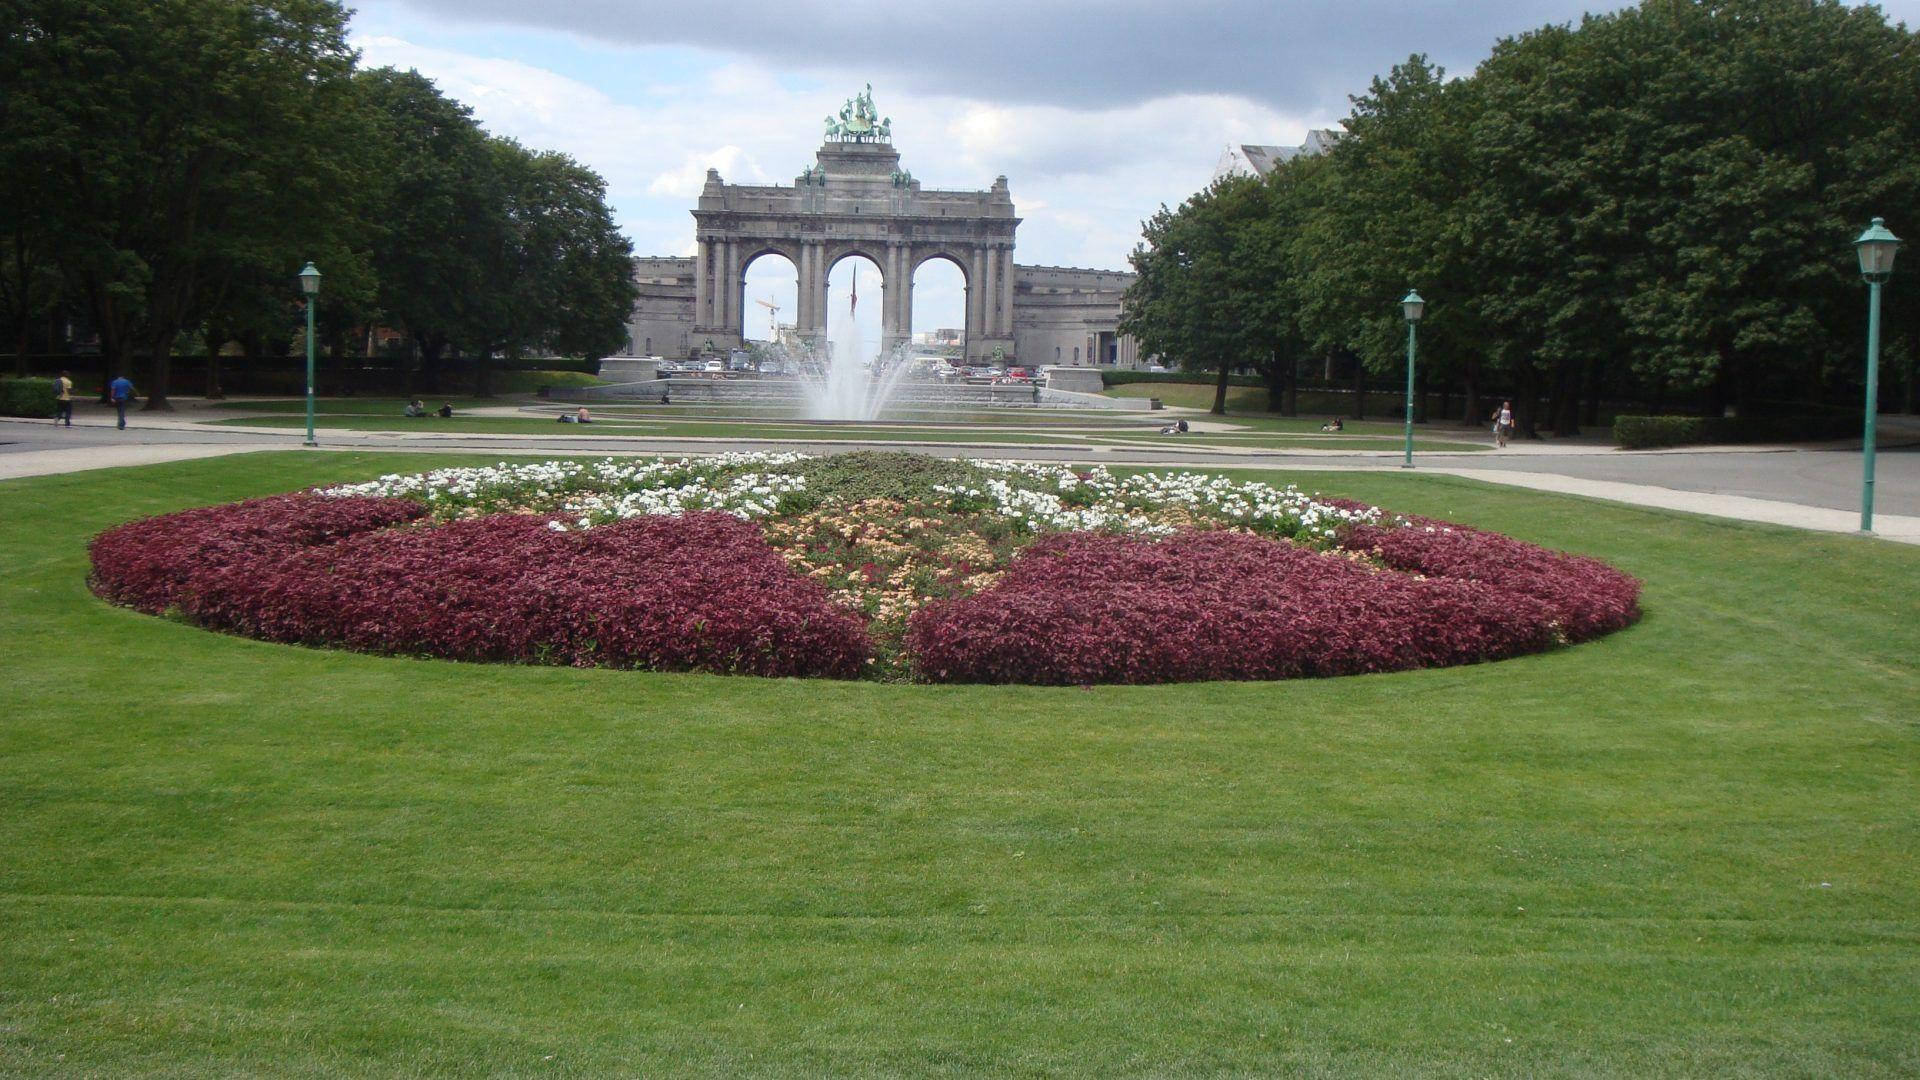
x: 773, y: 318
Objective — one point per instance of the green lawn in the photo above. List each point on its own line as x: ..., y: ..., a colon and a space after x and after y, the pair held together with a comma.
x: 1261, y: 433
x: 718, y: 429
x: 1247, y: 406
x: 1691, y: 848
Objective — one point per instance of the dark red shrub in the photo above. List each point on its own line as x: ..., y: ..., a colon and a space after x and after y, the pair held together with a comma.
x: 699, y: 592
x: 150, y: 564
x: 1586, y: 597
x: 1085, y: 608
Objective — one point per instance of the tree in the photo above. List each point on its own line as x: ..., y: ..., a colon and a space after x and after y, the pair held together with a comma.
x: 183, y: 136
x: 439, y: 217
x: 1193, y: 299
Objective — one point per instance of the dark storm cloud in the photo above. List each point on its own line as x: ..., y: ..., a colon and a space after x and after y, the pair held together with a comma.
x: 1299, y: 57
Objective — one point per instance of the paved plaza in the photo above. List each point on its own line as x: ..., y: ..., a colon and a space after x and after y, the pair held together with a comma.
x: 1811, y: 487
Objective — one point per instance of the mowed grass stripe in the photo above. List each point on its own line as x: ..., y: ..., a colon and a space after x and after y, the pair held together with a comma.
x: 1686, y: 848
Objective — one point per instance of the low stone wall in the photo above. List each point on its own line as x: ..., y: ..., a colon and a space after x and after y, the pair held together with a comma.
x: 1077, y: 380
x: 625, y: 369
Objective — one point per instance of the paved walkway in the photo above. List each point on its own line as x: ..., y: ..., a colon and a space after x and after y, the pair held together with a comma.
x: 1814, y: 488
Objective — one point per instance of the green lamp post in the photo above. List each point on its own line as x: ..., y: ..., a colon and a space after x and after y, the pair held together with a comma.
x: 310, y: 286
x: 1876, y: 248
x: 1413, y: 307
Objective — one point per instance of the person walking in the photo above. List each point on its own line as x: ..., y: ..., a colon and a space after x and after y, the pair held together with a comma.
x: 63, y: 399
x: 121, y: 391
x: 1503, y: 424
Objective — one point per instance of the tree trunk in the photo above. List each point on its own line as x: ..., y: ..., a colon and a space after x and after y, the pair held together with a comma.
x: 1220, y: 390
x: 214, y: 393
x: 1528, y: 404
x: 483, y: 372
x: 1590, y: 395
x: 1470, y: 406
x: 430, y: 348
x: 1292, y: 404
x: 1913, y: 376
x: 162, y: 371
x: 1566, y: 414
x: 1446, y: 399
x: 1359, y: 389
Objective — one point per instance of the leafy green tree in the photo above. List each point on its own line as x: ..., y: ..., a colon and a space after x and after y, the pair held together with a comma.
x: 439, y: 220
x: 1194, y: 299
x: 558, y: 274
x: 179, y: 133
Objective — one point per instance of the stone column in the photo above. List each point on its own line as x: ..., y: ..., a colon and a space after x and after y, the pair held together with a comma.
x: 893, y: 288
x: 976, y: 306
x: 992, y: 319
x: 1007, y: 293
x: 726, y: 284
x: 702, y: 293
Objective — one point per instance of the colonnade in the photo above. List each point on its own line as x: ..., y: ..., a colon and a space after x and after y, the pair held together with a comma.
x: 720, y: 288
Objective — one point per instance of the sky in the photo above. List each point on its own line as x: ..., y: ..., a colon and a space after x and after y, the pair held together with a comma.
x: 1097, y: 111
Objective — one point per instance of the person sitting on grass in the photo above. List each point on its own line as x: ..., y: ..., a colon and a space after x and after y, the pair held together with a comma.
x: 446, y: 411
x: 1334, y: 424
x: 415, y: 410
x: 582, y: 417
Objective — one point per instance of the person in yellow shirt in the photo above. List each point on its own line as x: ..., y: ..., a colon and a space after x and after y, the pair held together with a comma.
x: 63, y: 399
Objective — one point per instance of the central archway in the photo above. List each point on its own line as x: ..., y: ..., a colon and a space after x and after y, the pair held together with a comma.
x: 856, y: 325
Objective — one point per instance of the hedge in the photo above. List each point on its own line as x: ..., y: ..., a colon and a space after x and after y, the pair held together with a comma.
x: 1115, y: 378
x: 1649, y: 432
x: 27, y: 397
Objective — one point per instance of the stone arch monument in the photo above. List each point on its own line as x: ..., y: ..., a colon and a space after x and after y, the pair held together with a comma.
x: 855, y: 200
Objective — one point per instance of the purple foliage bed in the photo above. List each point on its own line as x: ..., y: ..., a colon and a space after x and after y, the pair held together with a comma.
x: 699, y: 592
x: 705, y: 591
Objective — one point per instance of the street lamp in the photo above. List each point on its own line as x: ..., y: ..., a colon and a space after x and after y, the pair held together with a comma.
x: 1876, y: 248
x: 1413, y: 307
x: 310, y: 285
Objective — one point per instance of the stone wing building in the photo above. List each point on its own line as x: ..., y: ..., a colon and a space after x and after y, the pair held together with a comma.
x: 856, y: 200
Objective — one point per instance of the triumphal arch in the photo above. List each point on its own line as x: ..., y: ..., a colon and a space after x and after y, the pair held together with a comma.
x: 855, y: 200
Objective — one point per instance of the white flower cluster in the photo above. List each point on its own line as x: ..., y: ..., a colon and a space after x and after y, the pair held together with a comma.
x: 1046, y: 511
x: 1118, y: 503
x: 1041, y: 498
x: 594, y: 492
x: 749, y: 496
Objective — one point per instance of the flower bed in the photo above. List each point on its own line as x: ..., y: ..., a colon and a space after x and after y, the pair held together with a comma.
x: 1087, y: 608
x: 701, y: 591
x: 883, y: 565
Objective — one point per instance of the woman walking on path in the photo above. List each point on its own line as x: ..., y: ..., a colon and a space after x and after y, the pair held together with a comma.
x: 63, y: 399
x: 1503, y: 423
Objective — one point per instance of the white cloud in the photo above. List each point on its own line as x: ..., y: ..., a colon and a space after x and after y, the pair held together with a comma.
x: 686, y: 181
x: 1082, y: 178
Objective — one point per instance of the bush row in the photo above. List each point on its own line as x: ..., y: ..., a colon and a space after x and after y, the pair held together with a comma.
x: 1650, y: 432
x: 1087, y: 608
x: 1116, y: 378
x: 698, y: 592
x: 1582, y: 597
x: 27, y: 397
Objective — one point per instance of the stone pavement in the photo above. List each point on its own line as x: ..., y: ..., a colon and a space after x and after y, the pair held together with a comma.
x: 1813, y: 488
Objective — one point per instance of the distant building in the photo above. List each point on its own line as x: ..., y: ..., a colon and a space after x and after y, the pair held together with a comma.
x: 1248, y: 159
x: 856, y: 200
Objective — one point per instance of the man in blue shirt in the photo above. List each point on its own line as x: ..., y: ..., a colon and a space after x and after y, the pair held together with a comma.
x: 121, y: 391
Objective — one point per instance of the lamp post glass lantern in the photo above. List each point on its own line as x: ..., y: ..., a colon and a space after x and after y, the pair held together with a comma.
x: 310, y: 286
x: 1876, y: 248
x: 1412, y: 306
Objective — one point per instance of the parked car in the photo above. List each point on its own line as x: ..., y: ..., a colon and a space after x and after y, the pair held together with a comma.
x: 1159, y: 368
x: 715, y: 367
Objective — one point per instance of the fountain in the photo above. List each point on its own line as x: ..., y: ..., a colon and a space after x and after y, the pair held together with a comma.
x: 854, y: 385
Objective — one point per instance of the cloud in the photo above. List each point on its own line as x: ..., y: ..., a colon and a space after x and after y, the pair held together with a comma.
x: 686, y: 181
x: 1083, y: 178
